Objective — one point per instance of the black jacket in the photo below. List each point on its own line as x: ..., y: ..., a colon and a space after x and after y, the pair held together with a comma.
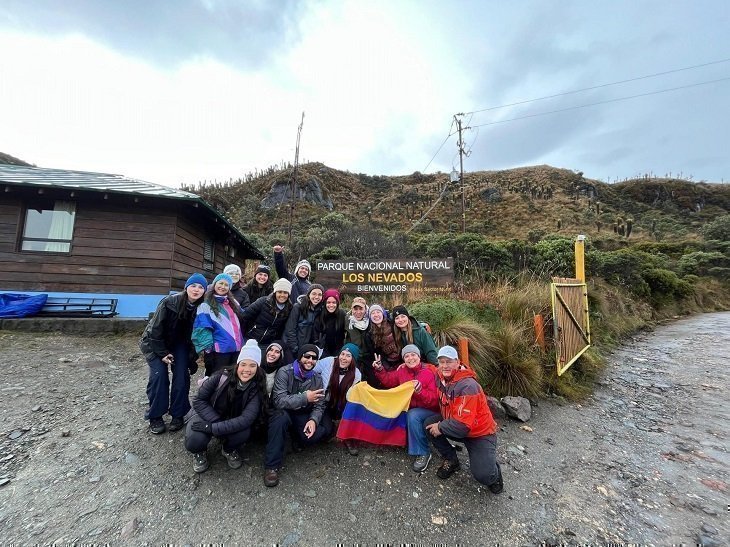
x: 255, y: 291
x: 329, y: 332
x: 299, y: 328
x: 299, y: 286
x: 171, y: 324
x: 264, y: 321
x: 240, y: 294
x: 211, y: 405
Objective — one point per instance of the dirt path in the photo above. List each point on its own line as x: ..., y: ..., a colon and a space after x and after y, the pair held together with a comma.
x: 645, y: 460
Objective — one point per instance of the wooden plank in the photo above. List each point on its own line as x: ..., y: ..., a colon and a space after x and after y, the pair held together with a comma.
x: 50, y: 268
x: 88, y: 242
x: 39, y: 277
x: 40, y: 258
x: 149, y: 216
x: 141, y: 227
x: 129, y: 235
x: 129, y: 253
x: 158, y: 287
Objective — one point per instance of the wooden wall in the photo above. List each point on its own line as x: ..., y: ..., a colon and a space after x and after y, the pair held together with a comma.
x: 118, y: 247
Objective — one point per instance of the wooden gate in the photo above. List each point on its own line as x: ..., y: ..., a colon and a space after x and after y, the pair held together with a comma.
x: 570, y: 320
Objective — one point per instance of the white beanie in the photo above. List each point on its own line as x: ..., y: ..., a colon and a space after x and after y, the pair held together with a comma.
x: 282, y: 285
x: 250, y: 352
x: 304, y: 263
x: 231, y: 269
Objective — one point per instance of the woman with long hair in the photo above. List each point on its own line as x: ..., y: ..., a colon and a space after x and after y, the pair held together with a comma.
x: 299, y: 328
x: 410, y: 331
x: 167, y: 346
x: 384, y: 341
x: 217, y: 328
x: 329, y: 329
x: 227, y: 406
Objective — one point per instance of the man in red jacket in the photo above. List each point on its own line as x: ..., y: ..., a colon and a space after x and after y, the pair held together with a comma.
x: 465, y: 417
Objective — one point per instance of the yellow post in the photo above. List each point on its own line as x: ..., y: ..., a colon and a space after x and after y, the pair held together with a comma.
x: 580, y: 268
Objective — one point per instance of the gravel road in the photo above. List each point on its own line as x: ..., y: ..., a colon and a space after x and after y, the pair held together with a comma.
x: 645, y: 460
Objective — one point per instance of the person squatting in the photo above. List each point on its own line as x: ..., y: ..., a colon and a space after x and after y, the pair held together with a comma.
x: 280, y: 359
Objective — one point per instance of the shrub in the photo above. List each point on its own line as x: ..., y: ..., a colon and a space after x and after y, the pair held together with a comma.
x: 717, y: 229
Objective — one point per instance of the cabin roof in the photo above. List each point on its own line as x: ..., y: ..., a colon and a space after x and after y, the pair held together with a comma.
x: 41, y: 177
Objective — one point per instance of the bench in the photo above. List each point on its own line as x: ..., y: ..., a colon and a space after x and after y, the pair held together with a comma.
x: 79, y: 307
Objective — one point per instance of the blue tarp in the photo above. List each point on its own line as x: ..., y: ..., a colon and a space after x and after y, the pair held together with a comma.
x: 14, y: 305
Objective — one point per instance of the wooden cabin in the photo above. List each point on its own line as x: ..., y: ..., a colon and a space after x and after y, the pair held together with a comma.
x: 80, y: 234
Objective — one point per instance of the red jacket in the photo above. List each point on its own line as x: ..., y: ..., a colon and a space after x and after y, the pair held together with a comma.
x: 427, y: 398
x: 464, y: 405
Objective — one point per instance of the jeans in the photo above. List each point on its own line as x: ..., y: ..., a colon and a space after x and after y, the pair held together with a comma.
x: 162, y: 398
x: 292, y: 422
x: 482, y: 453
x: 197, y: 441
x: 417, y: 436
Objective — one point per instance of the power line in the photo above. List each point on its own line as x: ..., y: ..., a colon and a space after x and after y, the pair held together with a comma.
x: 440, y: 147
x: 599, y: 102
x: 599, y: 86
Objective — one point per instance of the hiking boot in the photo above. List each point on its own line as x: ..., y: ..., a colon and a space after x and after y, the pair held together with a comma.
x: 497, y: 486
x: 176, y: 424
x: 200, y: 462
x: 352, y: 448
x: 271, y: 477
x: 157, y: 426
x: 421, y: 463
x: 233, y: 457
x: 447, y: 468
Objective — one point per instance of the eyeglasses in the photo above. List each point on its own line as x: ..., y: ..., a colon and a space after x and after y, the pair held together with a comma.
x: 309, y: 356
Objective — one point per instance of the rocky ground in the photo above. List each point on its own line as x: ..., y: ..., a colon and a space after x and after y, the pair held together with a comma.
x: 645, y: 460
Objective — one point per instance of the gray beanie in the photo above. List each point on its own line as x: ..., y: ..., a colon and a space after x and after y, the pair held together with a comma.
x: 410, y: 348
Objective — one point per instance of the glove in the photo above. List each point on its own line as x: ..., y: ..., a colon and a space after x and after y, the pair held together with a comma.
x: 203, y: 427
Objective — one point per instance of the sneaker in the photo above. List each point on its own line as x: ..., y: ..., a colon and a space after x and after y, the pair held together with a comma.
x: 447, y: 468
x: 497, y: 486
x: 351, y: 448
x: 200, y: 462
x: 233, y: 457
x: 421, y: 463
x: 157, y: 426
x: 271, y: 477
x: 176, y: 424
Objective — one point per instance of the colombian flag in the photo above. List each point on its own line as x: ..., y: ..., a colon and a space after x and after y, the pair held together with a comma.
x: 376, y: 416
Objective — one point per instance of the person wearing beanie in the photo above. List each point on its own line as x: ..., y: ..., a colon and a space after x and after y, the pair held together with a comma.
x: 329, y: 328
x: 339, y: 374
x: 384, y: 341
x: 299, y: 328
x: 357, y: 326
x: 228, y: 406
x: 273, y: 360
x: 237, y: 289
x: 465, y: 417
x: 298, y: 402
x: 265, y: 319
x: 217, y: 326
x: 299, y: 279
x: 409, y: 331
x: 261, y: 284
x: 166, y: 345
x: 424, y: 402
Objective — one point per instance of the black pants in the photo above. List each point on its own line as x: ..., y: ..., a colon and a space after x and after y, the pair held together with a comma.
x: 215, y: 361
x: 197, y: 441
x: 482, y: 452
x: 292, y: 422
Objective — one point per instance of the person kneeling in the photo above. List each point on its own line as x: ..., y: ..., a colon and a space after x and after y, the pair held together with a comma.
x: 226, y: 406
x: 298, y: 401
x: 467, y: 419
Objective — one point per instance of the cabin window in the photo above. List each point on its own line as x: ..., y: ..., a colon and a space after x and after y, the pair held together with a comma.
x: 208, y: 255
x: 49, y: 227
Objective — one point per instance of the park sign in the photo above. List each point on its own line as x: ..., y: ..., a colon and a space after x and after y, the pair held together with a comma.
x: 432, y: 275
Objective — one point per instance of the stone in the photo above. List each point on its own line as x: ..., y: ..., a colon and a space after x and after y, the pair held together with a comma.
x: 129, y: 529
x: 309, y: 190
x: 707, y: 541
x: 36, y: 408
x: 64, y: 360
x: 4, y: 481
x: 131, y: 458
x: 94, y: 479
x: 498, y: 411
x: 708, y: 529
x: 65, y: 433
x: 438, y: 520
x: 310, y: 494
x: 517, y: 407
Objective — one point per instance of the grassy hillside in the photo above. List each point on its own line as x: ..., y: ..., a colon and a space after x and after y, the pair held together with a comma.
x: 521, y: 203
x: 7, y: 159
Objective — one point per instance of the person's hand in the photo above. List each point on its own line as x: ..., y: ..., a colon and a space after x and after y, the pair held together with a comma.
x: 168, y: 359
x: 309, y: 428
x: 434, y: 429
x: 377, y: 364
x: 314, y: 395
x: 203, y: 427
x: 417, y: 387
x: 278, y: 248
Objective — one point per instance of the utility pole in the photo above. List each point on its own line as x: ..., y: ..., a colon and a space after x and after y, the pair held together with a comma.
x: 460, y: 144
x: 294, y: 179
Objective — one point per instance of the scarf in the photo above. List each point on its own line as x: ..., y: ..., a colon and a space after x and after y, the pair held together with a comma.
x: 300, y: 373
x: 359, y: 325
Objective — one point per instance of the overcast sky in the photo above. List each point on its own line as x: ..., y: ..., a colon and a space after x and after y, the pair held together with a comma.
x: 186, y: 90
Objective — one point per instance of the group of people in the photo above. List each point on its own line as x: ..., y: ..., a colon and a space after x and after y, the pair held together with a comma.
x: 279, y: 360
